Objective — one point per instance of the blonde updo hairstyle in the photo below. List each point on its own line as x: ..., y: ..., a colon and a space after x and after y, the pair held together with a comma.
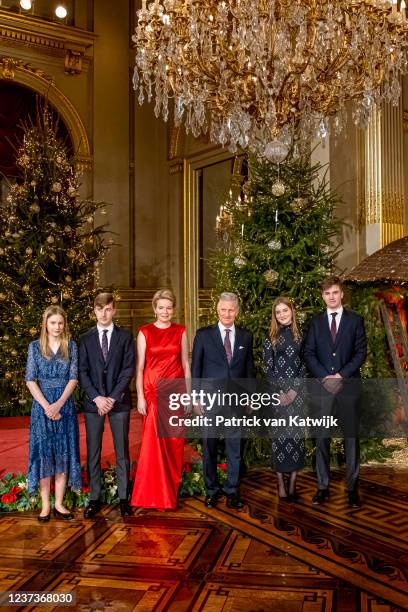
x: 163, y: 294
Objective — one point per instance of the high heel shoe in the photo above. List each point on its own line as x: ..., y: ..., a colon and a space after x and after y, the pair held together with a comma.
x: 65, y: 516
x: 44, y: 519
x: 282, y: 497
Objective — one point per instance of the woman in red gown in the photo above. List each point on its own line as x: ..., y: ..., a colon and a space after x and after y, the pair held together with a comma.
x: 162, y: 353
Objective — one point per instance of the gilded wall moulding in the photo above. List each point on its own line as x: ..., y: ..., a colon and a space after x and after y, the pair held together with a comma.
x: 37, y: 80
x: 405, y: 120
x: 50, y: 38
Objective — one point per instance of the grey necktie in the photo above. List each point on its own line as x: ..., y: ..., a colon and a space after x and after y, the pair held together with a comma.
x: 105, y: 344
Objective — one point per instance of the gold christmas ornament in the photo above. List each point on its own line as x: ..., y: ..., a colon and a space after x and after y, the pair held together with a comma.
x: 17, y: 318
x: 6, y: 338
x: 25, y: 288
x: 278, y: 188
x: 71, y: 253
x: 2, y: 296
x: 35, y: 208
x: 298, y: 205
x: 8, y: 375
x: 72, y: 192
x: 271, y: 276
x: 66, y: 295
x: 68, y: 279
x: 54, y: 299
x: 50, y: 239
x: 14, y: 353
x: 59, y: 159
x: 32, y: 331
x: 33, y: 183
x: 56, y: 187
x: 29, y: 251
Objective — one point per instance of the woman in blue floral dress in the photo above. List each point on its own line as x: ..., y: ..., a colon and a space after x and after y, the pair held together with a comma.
x: 51, y: 376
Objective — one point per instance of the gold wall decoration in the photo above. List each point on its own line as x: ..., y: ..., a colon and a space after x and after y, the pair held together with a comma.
x: 33, y: 78
x: 382, y: 197
x: 51, y: 38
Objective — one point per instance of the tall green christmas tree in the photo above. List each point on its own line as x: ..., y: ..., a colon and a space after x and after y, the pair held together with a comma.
x: 278, y: 237
x: 50, y: 253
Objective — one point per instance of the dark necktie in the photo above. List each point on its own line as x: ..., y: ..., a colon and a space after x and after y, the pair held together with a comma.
x: 105, y: 344
x: 333, y: 328
x: 227, y: 345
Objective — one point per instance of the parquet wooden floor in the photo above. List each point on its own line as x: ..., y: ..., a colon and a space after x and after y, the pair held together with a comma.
x: 269, y: 557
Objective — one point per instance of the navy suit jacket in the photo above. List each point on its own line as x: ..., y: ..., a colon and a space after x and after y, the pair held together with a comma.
x: 345, y: 356
x: 111, y: 378
x: 209, y: 359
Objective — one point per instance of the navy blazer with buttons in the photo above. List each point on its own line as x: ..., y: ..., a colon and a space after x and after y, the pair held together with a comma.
x: 209, y: 359
x: 111, y: 378
x: 345, y: 355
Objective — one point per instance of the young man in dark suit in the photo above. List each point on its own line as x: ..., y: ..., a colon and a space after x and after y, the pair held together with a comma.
x: 223, y: 352
x: 106, y: 368
x: 335, y: 349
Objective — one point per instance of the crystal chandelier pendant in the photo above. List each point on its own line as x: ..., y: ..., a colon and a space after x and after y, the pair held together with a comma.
x: 250, y: 75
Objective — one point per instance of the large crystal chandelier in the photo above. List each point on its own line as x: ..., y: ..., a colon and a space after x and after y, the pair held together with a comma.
x: 251, y: 72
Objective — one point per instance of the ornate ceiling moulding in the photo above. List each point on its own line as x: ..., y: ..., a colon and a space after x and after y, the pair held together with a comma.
x: 24, y: 73
x: 53, y: 39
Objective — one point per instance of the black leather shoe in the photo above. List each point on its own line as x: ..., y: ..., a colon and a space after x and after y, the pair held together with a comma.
x: 321, y: 496
x: 235, y: 502
x: 354, y: 499
x: 44, y: 519
x: 92, y: 509
x: 211, y: 501
x: 125, y: 509
x: 293, y: 497
x: 64, y: 516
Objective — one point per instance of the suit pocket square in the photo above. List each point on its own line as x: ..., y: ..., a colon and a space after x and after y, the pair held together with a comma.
x: 241, y: 347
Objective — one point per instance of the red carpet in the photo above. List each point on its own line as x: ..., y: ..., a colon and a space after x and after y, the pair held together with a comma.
x: 14, y: 442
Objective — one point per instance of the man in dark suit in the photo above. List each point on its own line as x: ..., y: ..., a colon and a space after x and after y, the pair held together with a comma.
x: 106, y: 367
x: 335, y: 350
x: 223, y: 352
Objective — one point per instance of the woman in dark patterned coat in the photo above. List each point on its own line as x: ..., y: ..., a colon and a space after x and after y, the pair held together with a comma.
x: 284, y: 368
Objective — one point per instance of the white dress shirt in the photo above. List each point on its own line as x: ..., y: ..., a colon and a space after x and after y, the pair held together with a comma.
x: 222, y: 329
x: 337, y: 319
x: 108, y: 335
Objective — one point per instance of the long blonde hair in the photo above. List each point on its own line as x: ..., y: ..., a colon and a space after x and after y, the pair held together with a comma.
x: 274, y: 328
x: 44, y: 346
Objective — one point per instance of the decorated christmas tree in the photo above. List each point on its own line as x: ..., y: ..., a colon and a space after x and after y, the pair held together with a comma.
x: 279, y: 236
x: 50, y: 253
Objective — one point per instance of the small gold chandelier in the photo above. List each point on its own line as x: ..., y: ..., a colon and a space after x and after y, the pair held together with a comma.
x: 252, y: 72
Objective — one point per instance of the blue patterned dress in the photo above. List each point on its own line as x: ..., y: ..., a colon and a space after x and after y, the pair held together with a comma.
x: 54, y: 445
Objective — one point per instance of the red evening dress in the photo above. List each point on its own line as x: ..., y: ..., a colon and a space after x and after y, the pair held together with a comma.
x: 160, y: 462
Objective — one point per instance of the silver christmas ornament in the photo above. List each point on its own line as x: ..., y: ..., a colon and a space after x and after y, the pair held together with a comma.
x: 276, y: 151
x: 240, y: 261
x: 274, y: 245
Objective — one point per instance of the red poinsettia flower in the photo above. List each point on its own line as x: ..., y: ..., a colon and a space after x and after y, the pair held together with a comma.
x: 187, y: 467
x: 8, y: 498
x: 85, y: 489
x: 15, y: 490
x: 222, y: 466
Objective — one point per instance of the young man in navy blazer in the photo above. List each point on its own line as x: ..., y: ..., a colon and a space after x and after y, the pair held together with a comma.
x: 335, y: 349
x: 106, y: 368
x: 223, y: 352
